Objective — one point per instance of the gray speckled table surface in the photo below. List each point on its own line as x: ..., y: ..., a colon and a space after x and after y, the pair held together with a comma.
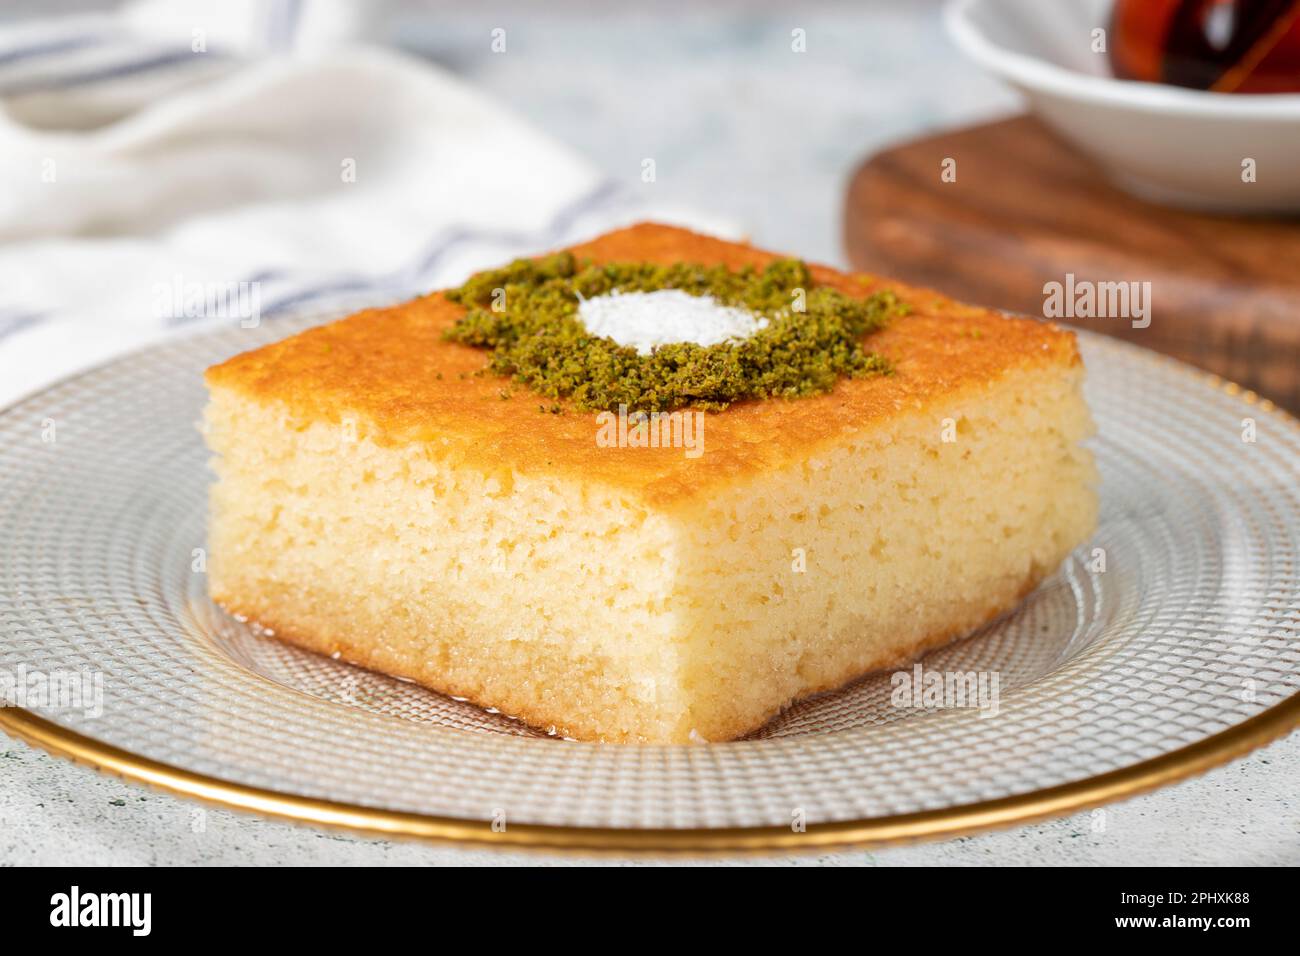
x: 53, y: 812
x: 742, y: 127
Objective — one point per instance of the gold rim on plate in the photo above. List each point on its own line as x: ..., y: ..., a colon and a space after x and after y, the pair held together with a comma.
x: 1059, y: 801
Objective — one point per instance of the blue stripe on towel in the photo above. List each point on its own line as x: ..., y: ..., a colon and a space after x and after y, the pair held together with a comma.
x: 14, y: 323
x: 110, y: 72
x: 283, y: 25
x: 405, y: 280
x: 46, y: 47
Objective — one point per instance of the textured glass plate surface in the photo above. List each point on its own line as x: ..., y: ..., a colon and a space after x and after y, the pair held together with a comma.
x: 1192, y: 628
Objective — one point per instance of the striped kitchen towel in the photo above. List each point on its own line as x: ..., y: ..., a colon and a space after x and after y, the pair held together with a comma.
x: 152, y: 184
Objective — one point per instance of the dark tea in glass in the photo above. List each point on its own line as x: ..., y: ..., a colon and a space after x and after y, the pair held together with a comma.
x: 1229, y: 46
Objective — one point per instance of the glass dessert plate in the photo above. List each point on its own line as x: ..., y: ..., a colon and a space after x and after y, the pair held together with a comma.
x: 1168, y: 644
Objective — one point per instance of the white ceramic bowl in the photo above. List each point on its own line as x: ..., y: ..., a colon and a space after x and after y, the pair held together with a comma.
x: 1164, y: 143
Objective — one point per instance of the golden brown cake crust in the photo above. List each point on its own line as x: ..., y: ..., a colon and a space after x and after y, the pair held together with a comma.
x: 391, y: 369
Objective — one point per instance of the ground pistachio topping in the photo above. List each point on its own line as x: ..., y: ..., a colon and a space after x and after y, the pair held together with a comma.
x: 526, y: 314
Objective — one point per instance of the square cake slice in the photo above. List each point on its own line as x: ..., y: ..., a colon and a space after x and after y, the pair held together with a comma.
x: 386, y: 495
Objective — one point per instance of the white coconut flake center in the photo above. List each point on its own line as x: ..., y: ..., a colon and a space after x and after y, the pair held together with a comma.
x: 644, y: 320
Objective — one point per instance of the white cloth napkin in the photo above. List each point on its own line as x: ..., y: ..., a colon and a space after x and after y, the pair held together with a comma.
x: 190, y: 190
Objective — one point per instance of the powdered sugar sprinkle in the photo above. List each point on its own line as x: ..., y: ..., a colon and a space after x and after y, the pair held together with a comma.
x: 645, y: 320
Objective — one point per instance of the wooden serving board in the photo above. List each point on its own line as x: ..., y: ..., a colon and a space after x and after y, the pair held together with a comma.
x: 1026, y: 209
